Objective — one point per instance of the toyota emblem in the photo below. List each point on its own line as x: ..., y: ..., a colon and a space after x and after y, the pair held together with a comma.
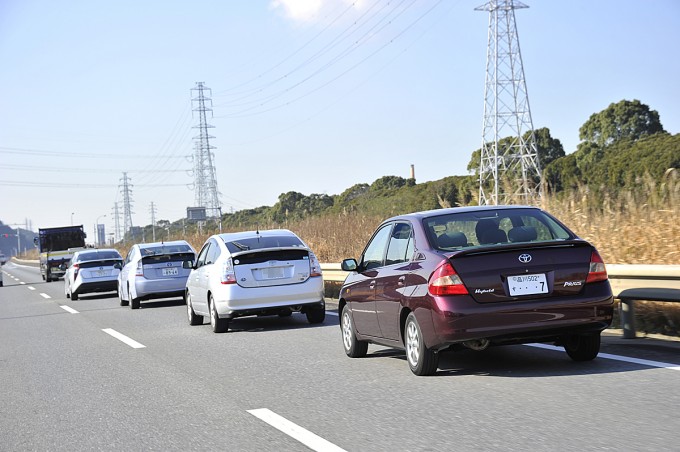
x: 525, y: 258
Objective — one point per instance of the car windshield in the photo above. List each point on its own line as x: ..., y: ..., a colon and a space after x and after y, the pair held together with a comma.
x: 490, y: 227
x: 262, y: 242
x: 165, y: 249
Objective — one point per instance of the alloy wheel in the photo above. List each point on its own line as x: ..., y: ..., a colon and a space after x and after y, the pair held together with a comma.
x: 412, y: 344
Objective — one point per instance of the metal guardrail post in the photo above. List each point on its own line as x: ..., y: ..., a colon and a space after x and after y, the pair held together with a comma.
x: 627, y: 312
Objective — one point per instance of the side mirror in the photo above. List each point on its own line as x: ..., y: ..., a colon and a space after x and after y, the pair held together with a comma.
x: 349, y: 265
x: 188, y: 264
x: 118, y: 265
x: 63, y: 267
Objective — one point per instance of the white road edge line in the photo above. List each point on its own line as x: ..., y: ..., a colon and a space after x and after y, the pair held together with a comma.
x: 121, y: 337
x: 306, y: 437
x: 44, y: 295
x: 643, y: 362
x: 69, y: 309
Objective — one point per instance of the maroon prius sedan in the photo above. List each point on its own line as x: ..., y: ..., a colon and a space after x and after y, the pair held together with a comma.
x: 474, y: 277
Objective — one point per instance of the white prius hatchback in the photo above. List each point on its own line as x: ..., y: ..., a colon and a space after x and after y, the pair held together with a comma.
x: 269, y: 272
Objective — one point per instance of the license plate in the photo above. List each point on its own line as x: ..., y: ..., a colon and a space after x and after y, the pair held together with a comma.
x: 527, y: 284
x: 100, y: 273
x: 273, y: 273
x: 170, y: 272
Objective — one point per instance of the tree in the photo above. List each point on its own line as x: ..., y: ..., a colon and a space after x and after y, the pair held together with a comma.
x: 625, y: 119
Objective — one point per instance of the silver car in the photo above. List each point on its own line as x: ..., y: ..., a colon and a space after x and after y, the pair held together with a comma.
x: 254, y: 273
x: 92, y: 271
x: 155, y: 270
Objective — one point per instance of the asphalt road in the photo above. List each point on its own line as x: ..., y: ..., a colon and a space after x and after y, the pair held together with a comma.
x: 68, y: 381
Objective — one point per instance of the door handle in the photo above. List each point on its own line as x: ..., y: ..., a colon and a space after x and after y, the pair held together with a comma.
x: 372, y: 285
x: 401, y: 280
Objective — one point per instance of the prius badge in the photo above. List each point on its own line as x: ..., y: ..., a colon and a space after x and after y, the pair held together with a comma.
x: 525, y: 258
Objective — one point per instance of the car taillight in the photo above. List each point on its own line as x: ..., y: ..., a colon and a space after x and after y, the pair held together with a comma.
x: 314, y: 266
x: 596, y: 272
x: 228, y: 275
x: 76, y: 268
x: 445, y: 281
x: 140, y: 270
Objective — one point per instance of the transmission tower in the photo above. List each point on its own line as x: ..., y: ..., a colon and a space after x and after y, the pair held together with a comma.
x: 205, y: 182
x: 126, y: 190
x: 509, y: 169
x: 153, y: 210
x: 116, y: 222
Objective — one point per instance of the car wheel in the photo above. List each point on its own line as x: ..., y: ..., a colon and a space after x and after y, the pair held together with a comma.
x: 218, y: 325
x: 354, y: 348
x: 48, y: 276
x: 122, y: 301
x: 315, y: 315
x: 134, y: 302
x: 74, y: 296
x: 582, y: 347
x: 421, y: 360
x: 193, y: 318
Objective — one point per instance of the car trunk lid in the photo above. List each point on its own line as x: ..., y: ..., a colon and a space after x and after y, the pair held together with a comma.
x: 169, y: 265
x: 519, y: 272
x: 264, y: 268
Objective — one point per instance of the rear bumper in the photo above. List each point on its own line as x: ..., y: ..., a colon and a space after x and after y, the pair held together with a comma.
x: 232, y: 300
x: 147, y: 289
x: 459, y: 318
x: 96, y: 286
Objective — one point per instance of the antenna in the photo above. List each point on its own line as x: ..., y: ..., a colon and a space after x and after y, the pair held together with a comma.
x: 509, y: 155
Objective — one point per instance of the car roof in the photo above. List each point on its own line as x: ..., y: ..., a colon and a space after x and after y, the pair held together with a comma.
x: 231, y: 236
x: 436, y: 212
x: 157, y: 244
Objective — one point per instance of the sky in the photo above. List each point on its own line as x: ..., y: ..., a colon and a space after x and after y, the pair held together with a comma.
x: 311, y: 96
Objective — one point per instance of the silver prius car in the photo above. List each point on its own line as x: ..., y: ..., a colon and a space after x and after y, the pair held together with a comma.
x: 254, y: 273
x: 155, y: 270
x: 92, y: 271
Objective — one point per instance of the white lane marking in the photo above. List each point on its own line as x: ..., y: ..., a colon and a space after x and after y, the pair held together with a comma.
x: 643, y: 362
x: 306, y: 437
x: 22, y: 283
x: 69, y: 309
x: 44, y: 295
x: 121, y: 337
x: 30, y: 287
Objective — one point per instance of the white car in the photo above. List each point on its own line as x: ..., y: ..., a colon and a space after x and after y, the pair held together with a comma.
x: 254, y: 273
x: 3, y: 259
x: 92, y: 270
x: 155, y: 270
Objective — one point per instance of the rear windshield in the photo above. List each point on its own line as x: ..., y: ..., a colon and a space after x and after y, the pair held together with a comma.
x: 258, y: 243
x: 165, y: 249
x: 172, y: 257
x: 491, y: 227
x: 98, y: 255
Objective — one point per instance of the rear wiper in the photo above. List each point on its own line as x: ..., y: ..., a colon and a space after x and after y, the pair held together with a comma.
x: 241, y: 246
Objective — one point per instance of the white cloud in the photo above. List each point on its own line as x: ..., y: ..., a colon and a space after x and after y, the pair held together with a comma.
x: 299, y: 10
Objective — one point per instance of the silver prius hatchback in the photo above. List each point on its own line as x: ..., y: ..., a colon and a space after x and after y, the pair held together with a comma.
x: 155, y: 270
x: 269, y: 272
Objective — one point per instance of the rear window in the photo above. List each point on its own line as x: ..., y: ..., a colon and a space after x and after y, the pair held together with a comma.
x: 165, y: 249
x: 98, y: 255
x: 171, y: 257
x: 491, y: 227
x: 258, y: 243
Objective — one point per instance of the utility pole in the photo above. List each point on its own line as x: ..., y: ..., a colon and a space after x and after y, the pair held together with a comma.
x: 153, y: 221
x: 205, y: 181
x: 509, y: 172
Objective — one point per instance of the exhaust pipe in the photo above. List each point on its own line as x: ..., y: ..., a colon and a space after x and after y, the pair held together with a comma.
x: 477, y: 344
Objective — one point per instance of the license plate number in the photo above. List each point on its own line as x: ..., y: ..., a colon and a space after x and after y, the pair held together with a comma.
x: 170, y: 272
x: 101, y: 273
x: 273, y: 273
x: 527, y: 284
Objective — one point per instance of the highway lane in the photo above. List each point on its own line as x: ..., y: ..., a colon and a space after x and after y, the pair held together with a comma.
x: 68, y: 385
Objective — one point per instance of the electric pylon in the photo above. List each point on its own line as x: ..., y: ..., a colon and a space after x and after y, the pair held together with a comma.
x: 205, y: 181
x: 116, y: 222
x: 509, y: 170
x: 126, y: 190
x: 153, y: 210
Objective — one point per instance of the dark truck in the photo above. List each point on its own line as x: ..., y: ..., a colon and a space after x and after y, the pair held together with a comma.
x: 56, y: 247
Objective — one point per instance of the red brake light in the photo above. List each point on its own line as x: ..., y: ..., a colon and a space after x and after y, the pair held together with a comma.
x: 596, y: 272
x: 445, y: 281
x: 228, y: 275
x: 314, y: 266
x: 76, y: 267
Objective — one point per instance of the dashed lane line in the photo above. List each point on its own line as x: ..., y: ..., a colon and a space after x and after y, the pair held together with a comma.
x: 30, y: 287
x: 44, y: 295
x: 123, y: 338
x: 69, y: 309
x: 296, y: 432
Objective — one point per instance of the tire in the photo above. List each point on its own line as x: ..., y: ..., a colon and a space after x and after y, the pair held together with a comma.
x: 422, y: 360
x: 134, y: 303
x: 48, y: 276
x: 583, y: 347
x: 218, y: 325
x: 74, y: 296
x: 354, y: 348
x: 122, y: 301
x: 315, y: 315
x: 193, y: 318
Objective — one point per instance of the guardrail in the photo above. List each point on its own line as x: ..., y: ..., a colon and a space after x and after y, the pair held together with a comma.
x: 629, y: 283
